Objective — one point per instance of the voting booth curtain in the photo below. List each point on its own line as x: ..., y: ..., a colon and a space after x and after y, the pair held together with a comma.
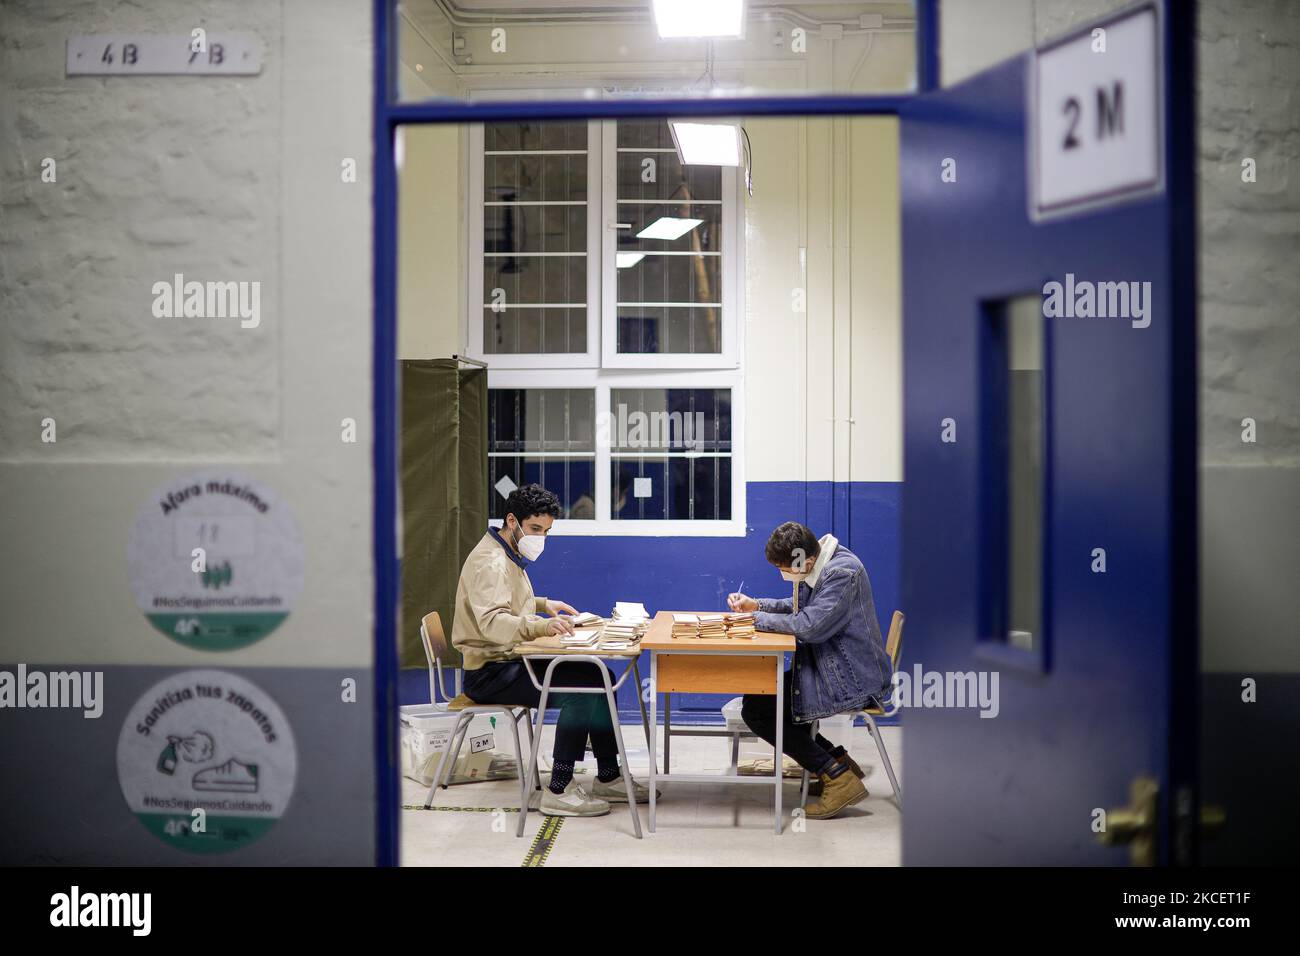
x: 444, y: 490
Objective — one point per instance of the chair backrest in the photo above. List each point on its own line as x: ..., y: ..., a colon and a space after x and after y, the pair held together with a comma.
x: 434, y: 639
x: 894, y: 642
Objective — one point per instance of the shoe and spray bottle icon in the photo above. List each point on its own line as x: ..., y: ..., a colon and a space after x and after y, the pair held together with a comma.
x: 231, y: 776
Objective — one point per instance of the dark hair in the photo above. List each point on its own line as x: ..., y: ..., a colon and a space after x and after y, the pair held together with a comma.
x: 531, y: 500
x: 788, y: 539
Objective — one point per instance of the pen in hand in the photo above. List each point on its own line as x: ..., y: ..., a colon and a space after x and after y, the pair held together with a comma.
x: 734, y: 598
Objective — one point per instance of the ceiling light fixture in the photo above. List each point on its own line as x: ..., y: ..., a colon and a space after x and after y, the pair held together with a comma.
x: 699, y: 18
x: 706, y: 144
x: 666, y: 227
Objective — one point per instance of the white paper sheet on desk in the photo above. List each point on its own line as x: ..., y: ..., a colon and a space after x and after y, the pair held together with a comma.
x: 630, y: 611
x: 585, y: 618
x: 614, y: 645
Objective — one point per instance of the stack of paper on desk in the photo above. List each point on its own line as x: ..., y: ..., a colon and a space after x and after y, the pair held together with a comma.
x: 619, y: 631
x: 631, y: 612
x: 584, y: 638
x: 686, y: 625
x: 740, y: 625
x: 713, y: 625
x: 585, y: 618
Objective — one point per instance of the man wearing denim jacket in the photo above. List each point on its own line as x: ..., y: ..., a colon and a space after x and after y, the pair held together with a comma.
x: 840, y: 662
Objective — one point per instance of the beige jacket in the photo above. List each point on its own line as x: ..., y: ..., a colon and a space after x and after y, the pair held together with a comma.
x: 495, y: 606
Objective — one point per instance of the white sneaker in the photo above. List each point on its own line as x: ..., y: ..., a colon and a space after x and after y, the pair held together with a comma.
x: 574, y: 802
x: 616, y: 791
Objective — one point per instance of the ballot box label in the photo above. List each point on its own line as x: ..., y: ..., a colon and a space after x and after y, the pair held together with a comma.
x: 215, y: 560
x: 1095, y: 117
x: 206, y: 761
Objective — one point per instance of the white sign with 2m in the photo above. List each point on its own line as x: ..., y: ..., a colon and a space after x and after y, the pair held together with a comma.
x: 1095, y: 121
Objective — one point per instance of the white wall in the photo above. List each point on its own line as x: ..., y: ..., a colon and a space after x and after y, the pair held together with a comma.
x: 829, y: 186
x: 218, y: 178
x: 430, y: 241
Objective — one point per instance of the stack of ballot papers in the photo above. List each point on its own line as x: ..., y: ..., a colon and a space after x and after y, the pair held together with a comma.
x: 586, y: 637
x: 686, y: 625
x: 628, y: 622
x: 616, y: 630
x: 740, y: 625
x: 630, y: 612
x: 585, y: 618
x: 713, y: 625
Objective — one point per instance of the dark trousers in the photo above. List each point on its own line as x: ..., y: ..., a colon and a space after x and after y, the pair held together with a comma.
x: 581, y: 715
x: 813, y: 753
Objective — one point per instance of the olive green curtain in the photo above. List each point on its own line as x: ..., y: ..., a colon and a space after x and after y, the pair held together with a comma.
x: 444, y: 489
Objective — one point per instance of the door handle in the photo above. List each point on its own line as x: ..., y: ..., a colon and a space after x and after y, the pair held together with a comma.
x: 1134, y: 825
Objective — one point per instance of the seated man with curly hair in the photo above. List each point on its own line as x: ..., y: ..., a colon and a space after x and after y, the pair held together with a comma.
x: 496, y: 611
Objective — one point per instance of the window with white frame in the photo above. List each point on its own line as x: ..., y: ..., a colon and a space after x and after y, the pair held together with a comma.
x: 605, y: 305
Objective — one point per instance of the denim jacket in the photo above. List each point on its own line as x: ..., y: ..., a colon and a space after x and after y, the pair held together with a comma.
x: 839, y: 658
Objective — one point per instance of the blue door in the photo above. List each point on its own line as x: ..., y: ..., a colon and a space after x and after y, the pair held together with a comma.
x: 1049, y: 511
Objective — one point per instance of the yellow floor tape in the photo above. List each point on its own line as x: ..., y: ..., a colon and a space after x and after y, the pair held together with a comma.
x: 543, y: 843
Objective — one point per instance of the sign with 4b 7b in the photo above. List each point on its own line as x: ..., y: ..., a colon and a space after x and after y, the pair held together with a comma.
x: 153, y: 54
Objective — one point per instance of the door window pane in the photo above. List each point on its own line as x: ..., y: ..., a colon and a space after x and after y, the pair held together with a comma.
x: 1015, y: 419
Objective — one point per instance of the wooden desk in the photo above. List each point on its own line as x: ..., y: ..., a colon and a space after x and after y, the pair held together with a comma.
x: 716, y: 666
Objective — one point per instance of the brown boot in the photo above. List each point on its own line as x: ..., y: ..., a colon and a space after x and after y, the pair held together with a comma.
x: 837, y: 793
x: 815, y: 785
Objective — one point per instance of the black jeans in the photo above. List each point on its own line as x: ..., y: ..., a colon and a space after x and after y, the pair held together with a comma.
x: 759, y: 713
x: 581, y: 715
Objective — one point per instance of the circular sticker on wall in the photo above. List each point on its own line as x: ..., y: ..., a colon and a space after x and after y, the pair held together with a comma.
x: 210, y: 741
x: 216, y: 560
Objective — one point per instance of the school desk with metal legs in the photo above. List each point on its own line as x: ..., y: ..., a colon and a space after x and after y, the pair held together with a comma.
x: 550, y: 649
x: 716, y: 666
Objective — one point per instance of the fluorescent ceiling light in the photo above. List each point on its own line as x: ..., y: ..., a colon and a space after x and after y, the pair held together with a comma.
x: 707, y: 144
x: 666, y: 227
x: 699, y: 18
x: 625, y: 260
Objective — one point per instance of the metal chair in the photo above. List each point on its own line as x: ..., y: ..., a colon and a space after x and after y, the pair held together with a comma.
x: 545, y: 688
x: 435, y: 647
x: 894, y: 648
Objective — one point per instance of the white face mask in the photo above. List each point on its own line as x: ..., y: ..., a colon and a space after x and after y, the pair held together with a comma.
x: 794, y: 575
x: 530, y: 545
